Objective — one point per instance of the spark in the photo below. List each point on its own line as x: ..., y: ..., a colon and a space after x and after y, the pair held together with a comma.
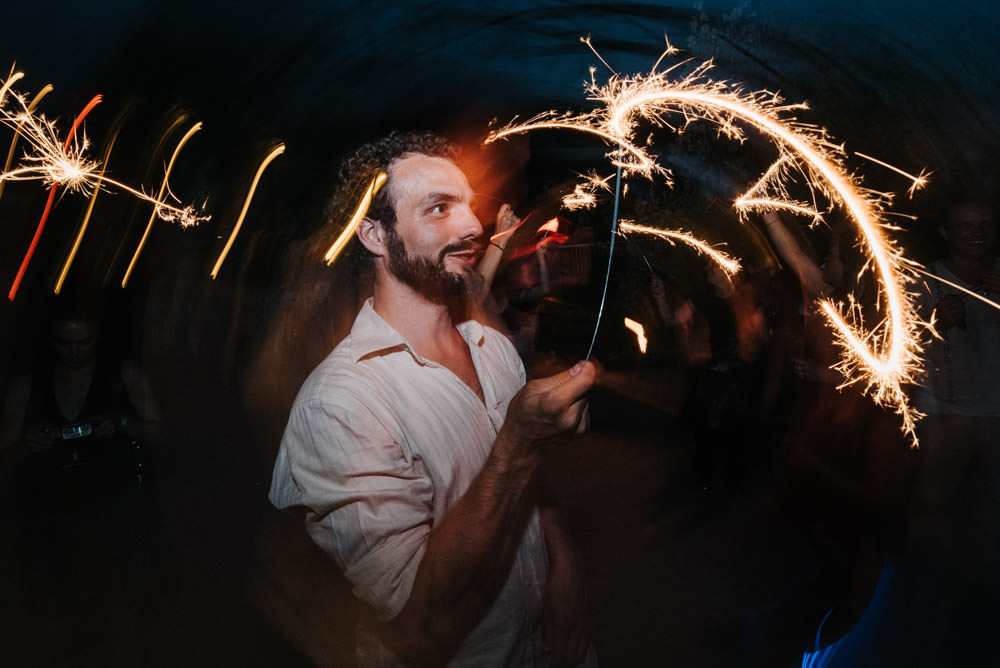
x: 157, y: 213
x: 71, y: 138
x: 640, y: 333
x: 584, y: 195
x: 46, y: 89
x: 359, y: 213
x: 919, y: 181
x: 275, y: 152
x: 728, y: 264
x: 882, y: 360
x: 85, y: 220
x: 65, y: 163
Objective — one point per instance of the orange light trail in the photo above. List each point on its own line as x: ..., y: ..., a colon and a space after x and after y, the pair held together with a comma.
x: 359, y: 213
x: 70, y: 139
x: 729, y: 265
x: 156, y: 211
x: 640, y: 333
x: 275, y: 152
x: 882, y: 360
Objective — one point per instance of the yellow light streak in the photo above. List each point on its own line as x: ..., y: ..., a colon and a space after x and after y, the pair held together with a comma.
x: 85, y: 220
x: 881, y: 360
x: 156, y: 213
x: 275, y: 152
x: 640, y: 333
x: 52, y: 160
x: 359, y: 213
x: 729, y: 265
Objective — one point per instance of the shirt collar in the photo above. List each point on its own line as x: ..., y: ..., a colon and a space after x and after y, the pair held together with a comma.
x: 372, y: 336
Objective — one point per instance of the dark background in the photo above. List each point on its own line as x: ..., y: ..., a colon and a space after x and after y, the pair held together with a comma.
x: 911, y: 83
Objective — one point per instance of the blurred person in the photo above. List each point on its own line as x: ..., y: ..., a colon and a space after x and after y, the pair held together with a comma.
x: 412, y: 451
x: 73, y: 436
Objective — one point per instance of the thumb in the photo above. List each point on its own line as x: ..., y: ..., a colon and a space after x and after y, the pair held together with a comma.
x: 573, y: 382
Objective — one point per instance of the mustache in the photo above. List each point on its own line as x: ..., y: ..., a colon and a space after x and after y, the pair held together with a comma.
x: 461, y: 246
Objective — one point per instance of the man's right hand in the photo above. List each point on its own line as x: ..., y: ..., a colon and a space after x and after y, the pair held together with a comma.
x: 549, y: 406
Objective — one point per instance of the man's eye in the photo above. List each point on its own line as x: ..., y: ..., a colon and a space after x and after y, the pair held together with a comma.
x: 439, y: 209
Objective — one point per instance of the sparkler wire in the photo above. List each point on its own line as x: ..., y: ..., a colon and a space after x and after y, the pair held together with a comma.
x: 611, y: 254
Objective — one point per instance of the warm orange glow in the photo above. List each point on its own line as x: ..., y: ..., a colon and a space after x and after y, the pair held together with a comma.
x: 156, y: 211
x: 359, y: 213
x: 275, y: 152
x: 550, y: 226
x: 640, y: 333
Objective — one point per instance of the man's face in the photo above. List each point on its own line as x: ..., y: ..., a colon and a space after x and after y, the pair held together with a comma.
x: 970, y: 229
x: 434, y: 245
x: 75, y: 343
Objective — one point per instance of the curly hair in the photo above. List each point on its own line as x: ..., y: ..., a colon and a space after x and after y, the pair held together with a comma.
x: 358, y: 169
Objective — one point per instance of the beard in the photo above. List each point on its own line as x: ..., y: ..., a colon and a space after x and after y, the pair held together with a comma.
x: 429, y: 277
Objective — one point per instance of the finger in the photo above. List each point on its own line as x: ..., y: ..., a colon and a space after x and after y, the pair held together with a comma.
x: 563, y: 389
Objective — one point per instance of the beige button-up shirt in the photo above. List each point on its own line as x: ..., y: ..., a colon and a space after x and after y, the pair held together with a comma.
x: 380, y: 444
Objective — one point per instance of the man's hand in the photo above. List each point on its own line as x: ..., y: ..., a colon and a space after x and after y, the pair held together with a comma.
x: 549, y: 406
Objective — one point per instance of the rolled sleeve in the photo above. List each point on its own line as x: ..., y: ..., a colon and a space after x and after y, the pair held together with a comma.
x: 369, y: 506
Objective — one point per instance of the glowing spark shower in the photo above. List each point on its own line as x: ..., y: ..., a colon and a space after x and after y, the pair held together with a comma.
x: 359, y: 213
x: 53, y: 161
x: 919, y: 181
x: 275, y: 152
x: 729, y: 265
x: 52, y: 192
x: 880, y: 360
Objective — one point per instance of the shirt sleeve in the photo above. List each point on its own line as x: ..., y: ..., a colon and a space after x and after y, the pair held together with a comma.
x: 368, y: 505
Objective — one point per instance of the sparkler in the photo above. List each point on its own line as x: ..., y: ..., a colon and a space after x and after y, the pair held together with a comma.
x: 880, y: 360
x: 64, y: 163
x: 71, y: 139
x: 275, y: 152
x: 728, y: 264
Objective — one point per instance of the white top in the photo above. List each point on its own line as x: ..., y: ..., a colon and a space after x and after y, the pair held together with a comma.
x: 963, y: 367
x: 380, y: 444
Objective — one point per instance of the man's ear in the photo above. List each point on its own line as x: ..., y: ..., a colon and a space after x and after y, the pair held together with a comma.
x: 371, y: 234
x: 943, y: 231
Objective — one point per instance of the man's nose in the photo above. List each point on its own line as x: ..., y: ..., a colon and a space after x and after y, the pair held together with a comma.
x: 468, y: 225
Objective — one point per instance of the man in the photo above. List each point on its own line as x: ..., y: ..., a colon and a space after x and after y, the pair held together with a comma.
x: 414, y: 449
